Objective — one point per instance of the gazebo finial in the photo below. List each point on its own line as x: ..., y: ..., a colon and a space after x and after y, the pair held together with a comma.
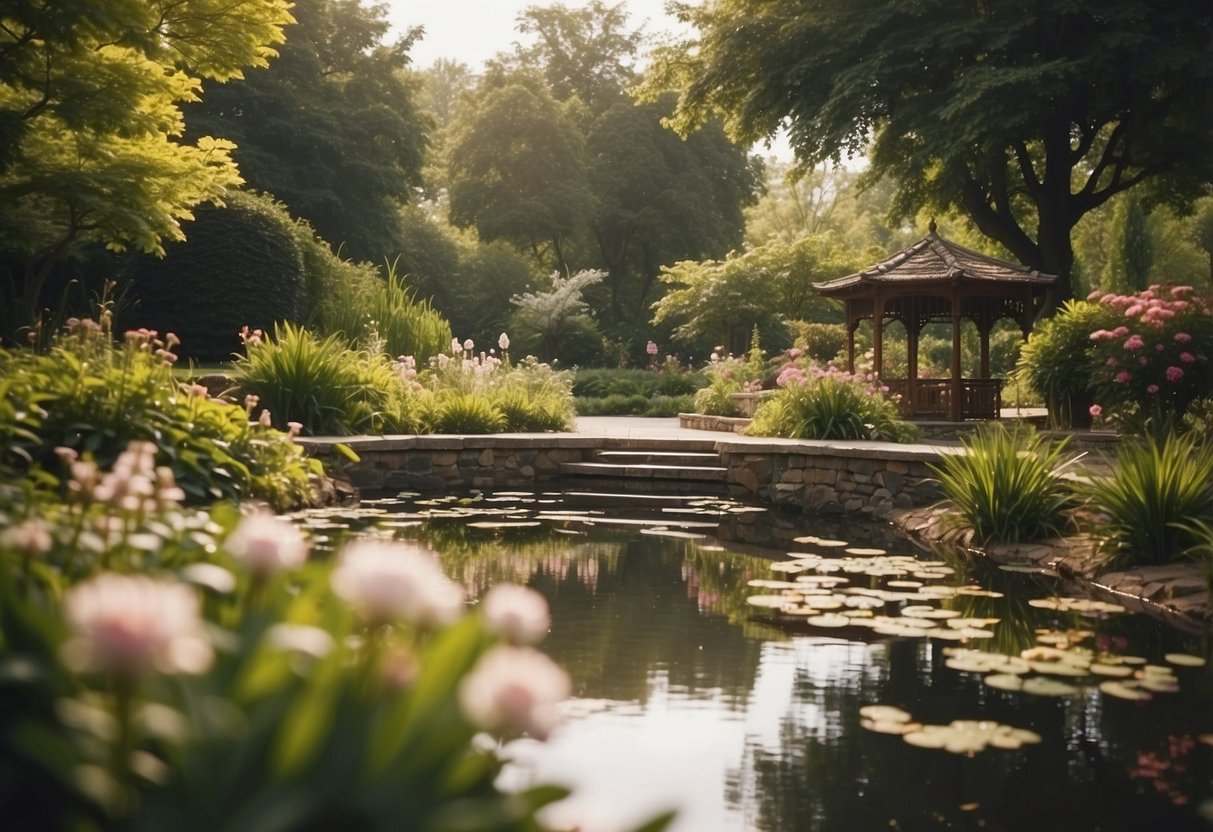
x: 931, y: 227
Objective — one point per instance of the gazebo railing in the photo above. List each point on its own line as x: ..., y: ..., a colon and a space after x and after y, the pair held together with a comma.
x: 980, y: 398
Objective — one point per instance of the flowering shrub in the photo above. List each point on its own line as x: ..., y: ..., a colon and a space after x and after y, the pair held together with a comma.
x: 727, y: 375
x: 1152, y: 360
x: 168, y: 668
x: 468, y: 392
x: 816, y: 403
x: 93, y: 398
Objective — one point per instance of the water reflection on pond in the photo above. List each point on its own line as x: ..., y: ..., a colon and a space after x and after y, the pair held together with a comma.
x: 688, y: 697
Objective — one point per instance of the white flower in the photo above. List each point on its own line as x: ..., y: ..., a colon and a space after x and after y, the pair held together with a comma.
x: 266, y: 419
x: 387, y: 581
x: 30, y: 537
x: 469, y: 345
x: 128, y: 625
x: 455, y: 347
x: 518, y: 614
x: 514, y: 689
x: 266, y: 545
x: 503, y: 341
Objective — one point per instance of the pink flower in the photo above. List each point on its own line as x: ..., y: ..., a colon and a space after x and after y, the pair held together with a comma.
x: 1111, y: 362
x: 30, y: 537
x: 1120, y: 331
x: 1123, y: 377
x: 1152, y: 389
x: 1095, y: 410
x: 266, y: 545
x: 1174, y: 374
x: 388, y: 581
x: 129, y: 625
x: 517, y: 614
x: 1187, y: 358
x: 514, y: 689
x: 503, y: 341
x: 1182, y: 337
x: 1134, y: 343
x: 651, y: 348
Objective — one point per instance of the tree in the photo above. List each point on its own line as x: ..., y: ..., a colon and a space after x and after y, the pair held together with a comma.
x: 720, y: 302
x: 517, y: 172
x: 90, y: 120
x: 332, y: 128
x: 585, y: 52
x: 1027, y: 114
x: 662, y: 199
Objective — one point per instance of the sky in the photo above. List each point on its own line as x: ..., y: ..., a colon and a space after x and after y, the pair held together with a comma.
x: 473, y: 30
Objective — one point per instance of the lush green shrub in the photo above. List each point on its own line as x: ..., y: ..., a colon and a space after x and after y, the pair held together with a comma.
x: 669, y: 379
x: 822, y: 342
x: 831, y: 405
x: 666, y: 406
x: 93, y: 399
x: 1150, y: 367
x: 728, y: 375
x: 1006, y: 486
x: 457, y: 412
x: 1158, y: 488
x: 1198, y: 420
x: 323, y: 384
x: 1058, y: 360
x: 241, y: 264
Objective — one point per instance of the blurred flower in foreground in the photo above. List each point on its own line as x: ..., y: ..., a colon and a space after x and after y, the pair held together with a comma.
x: 389, y: 581
x: 515, y: 689
x: 266, y: 545
x: 517, y: 614
x: 129, y: 625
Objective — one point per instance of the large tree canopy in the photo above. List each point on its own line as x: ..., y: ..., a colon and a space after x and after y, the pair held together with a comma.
x: 332, y: 128
x: 1026, y: 114
x: 90, y: 92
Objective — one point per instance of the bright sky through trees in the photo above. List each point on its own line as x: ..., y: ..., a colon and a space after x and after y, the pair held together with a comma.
x: 474, y: 30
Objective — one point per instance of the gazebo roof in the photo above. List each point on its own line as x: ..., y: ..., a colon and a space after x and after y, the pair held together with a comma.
x: 933, y: 261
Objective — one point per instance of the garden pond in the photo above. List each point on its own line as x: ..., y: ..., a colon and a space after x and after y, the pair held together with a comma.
x: 759, y: 670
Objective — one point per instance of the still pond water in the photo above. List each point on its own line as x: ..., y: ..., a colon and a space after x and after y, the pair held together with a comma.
x: 743, y: 717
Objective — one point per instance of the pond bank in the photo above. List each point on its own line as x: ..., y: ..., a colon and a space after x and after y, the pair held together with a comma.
x: 873, y: 479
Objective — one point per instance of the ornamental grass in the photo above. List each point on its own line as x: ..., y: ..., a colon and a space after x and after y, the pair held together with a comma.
x: 1007, y: 485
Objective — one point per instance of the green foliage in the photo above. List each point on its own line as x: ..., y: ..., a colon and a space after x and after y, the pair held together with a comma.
x: 973, y: 124
x: 821, y: 342
x: 456, y: 412
x: 556, y: 323
x: 1006, y: 485
x: 1198, y: 420
x: 90, y: 95
x: 241, y: 265
x: 1057, y: 360
x: 323, y: 384
x: 517, y: 172
x: 716, y: 302
x: 669, y: 380
x: 332, y: 127
x: 618, y: 404
x: 830, y: 406
x: 94, y: 399
x: 1160, y: 486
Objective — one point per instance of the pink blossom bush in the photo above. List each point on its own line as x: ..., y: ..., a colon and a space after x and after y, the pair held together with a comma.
x: 1152, y: 358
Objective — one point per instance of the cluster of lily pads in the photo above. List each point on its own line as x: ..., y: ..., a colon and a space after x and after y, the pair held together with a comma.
x: 818, y: 591
x: 961, y: 736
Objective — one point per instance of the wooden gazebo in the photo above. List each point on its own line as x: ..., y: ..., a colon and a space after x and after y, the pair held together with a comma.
x: 936, y: 280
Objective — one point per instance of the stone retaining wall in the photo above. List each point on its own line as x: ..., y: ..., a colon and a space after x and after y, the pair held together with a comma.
x: 834, y: 477
x: 454, y: 463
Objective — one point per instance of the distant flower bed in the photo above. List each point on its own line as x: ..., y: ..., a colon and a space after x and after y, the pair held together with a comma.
x: 330, y: 388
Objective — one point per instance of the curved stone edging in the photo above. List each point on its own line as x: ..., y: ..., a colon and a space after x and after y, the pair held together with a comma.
x: 1176, y: 593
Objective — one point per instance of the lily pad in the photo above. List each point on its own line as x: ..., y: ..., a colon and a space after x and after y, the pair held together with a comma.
x: 1004, y: 681
x: 884, y: 713
x: 829, y: 621
x: 1044, y: 686
x: 1184, y: 660
x: 1124, y: 690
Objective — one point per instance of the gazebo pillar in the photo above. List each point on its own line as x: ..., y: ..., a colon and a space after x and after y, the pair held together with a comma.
x: 985, y: 351
x: 954, y: 407
x: 878, y: 336
x: 912, y: 332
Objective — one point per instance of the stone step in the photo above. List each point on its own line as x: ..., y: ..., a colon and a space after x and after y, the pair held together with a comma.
x: 679, y: 458
x: 677, y: 495
x: 693, y: 473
